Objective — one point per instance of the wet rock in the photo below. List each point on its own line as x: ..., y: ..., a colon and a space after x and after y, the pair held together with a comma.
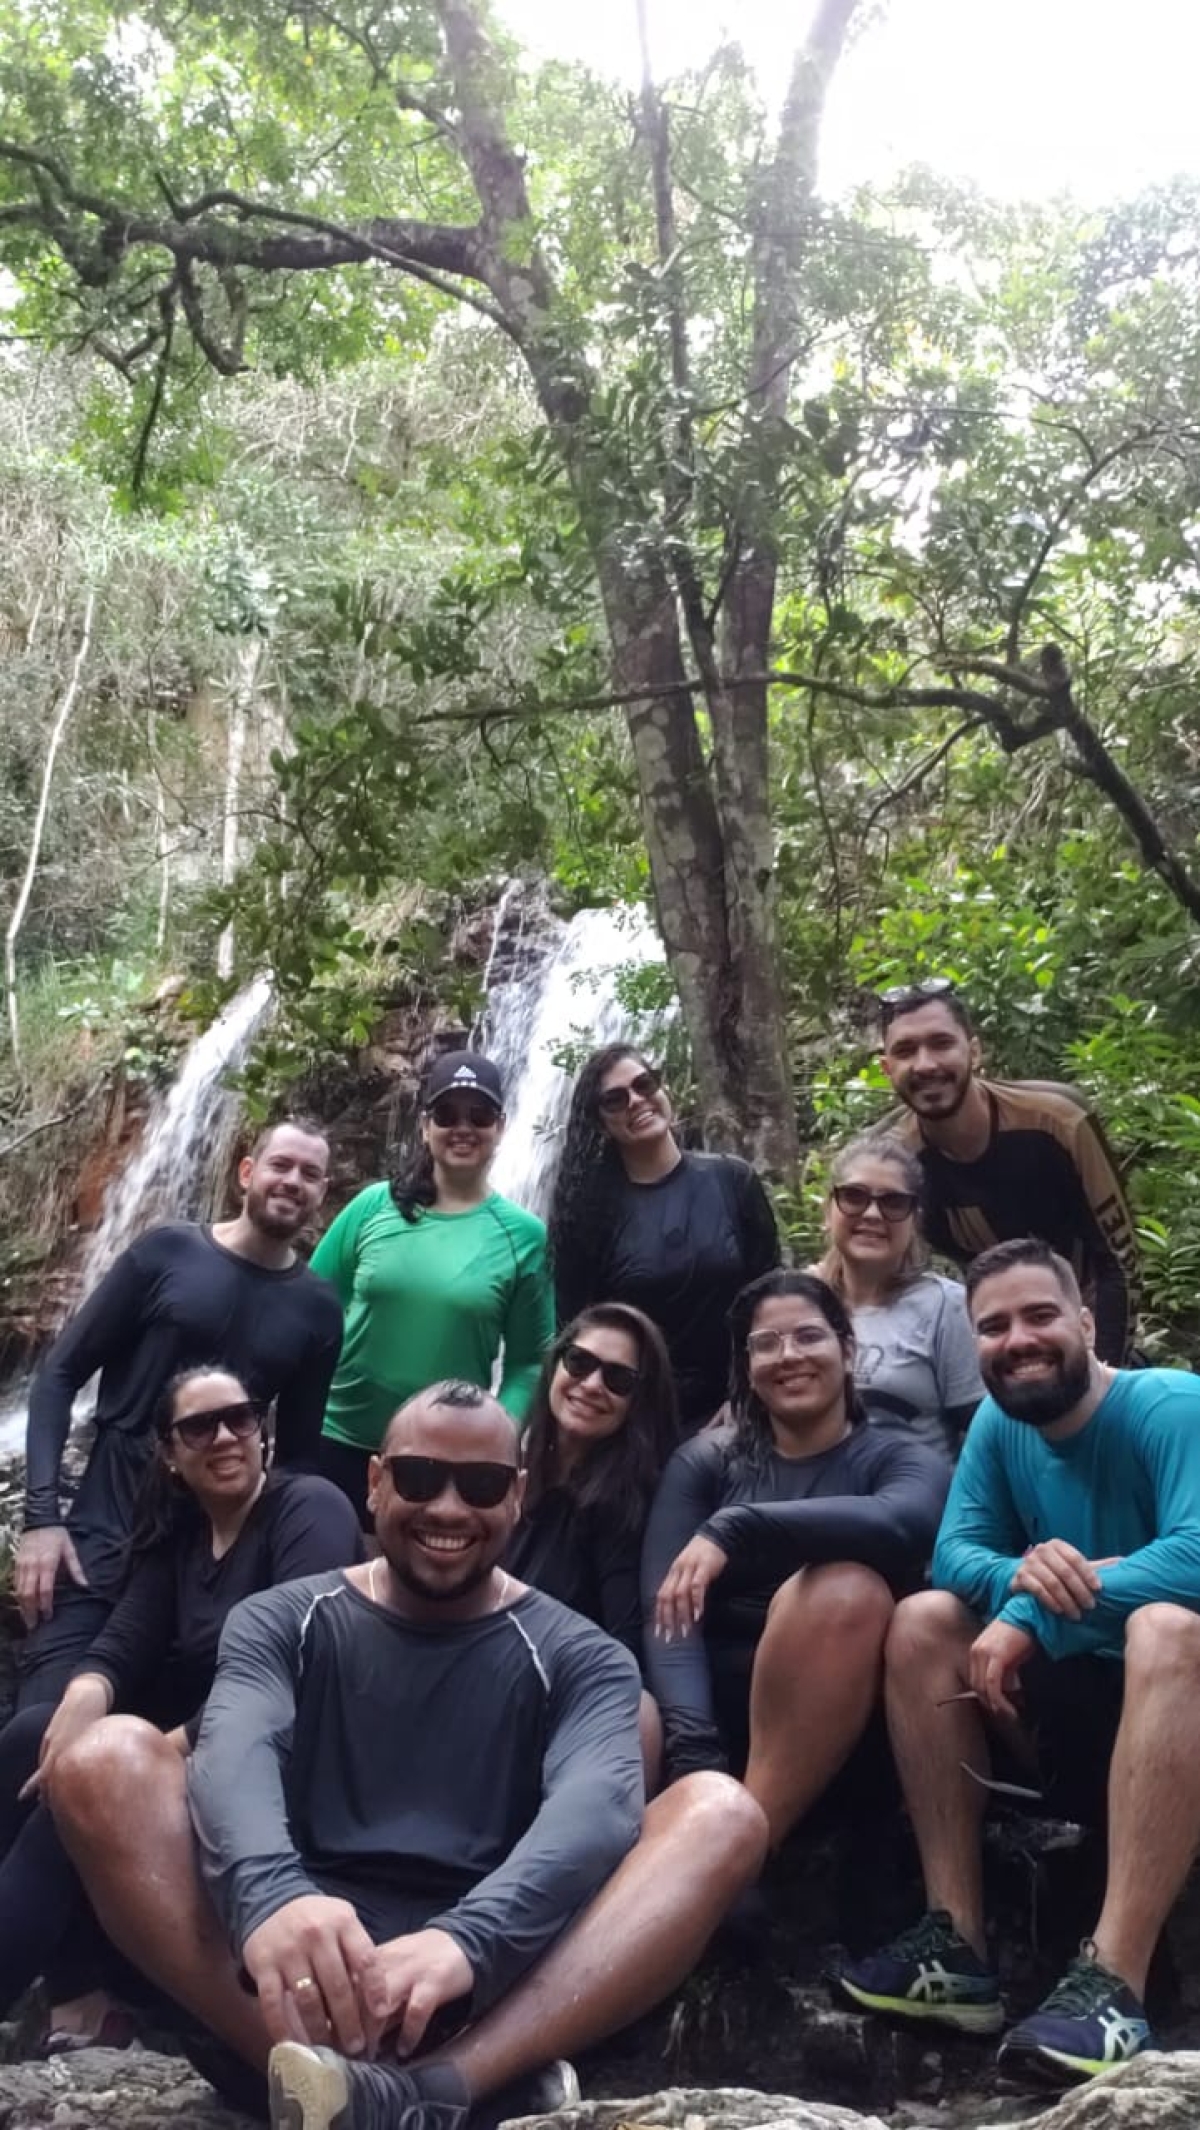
x: 111, y: 2089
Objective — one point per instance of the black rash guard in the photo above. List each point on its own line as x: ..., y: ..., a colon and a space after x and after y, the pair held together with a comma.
x: 1047, y: 1170
x: 680, y: 1249
x: 876, y: 1497
x: 587, y: 1557
x: 490, y: 1768
x: 175, y: 1299
x: 158, y: 1650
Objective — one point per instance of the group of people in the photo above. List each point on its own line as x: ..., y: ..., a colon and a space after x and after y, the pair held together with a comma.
x: 411, y: 1735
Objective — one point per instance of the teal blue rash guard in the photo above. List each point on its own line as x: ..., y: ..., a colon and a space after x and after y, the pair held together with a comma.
x: 1128, y: 1484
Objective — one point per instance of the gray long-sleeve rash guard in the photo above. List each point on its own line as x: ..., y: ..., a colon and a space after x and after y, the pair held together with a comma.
x: 491, y: 1766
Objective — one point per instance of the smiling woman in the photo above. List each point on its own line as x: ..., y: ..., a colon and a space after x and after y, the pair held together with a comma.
x: 213, y: 1526
x: 436, y: 1272
x: 823, y: 1520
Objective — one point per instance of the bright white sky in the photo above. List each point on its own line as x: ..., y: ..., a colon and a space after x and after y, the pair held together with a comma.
x: 1025, y: 97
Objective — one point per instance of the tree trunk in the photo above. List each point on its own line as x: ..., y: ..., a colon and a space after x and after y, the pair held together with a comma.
x: 241, y: 698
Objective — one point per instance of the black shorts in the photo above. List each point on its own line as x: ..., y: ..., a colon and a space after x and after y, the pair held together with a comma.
x: 1072, y: 1709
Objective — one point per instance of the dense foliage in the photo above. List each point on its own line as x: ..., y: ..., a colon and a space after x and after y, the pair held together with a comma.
x: 353, y: 654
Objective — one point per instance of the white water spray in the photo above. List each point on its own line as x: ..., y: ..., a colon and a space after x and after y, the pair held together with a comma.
x: 569, y: 998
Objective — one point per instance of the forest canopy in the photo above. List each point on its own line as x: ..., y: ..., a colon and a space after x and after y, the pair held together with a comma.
x: 421, y: 466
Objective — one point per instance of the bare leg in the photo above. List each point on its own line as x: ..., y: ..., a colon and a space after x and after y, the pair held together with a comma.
x: 703, y: 1841
x: 139, y: 1867
x: 816, y: 1678
x: 927, y: 1662
x: 650, y: 1732
x: 1153, y: 1788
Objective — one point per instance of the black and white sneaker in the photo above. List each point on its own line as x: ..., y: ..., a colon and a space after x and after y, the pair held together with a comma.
x: 316, y: 2089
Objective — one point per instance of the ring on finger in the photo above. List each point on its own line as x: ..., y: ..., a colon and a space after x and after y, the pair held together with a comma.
x: 305, y: 1982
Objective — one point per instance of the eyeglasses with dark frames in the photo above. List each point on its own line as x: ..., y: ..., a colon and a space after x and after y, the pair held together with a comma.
x: 479, y: 1482
x: 855, y: 1198
x: 613, y: 1101
x: 197, y: 1431
x: 447, y: 1113
x: 619, y: 1378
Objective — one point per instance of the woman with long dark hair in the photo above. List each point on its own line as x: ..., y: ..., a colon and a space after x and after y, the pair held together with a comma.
x: 636, y: 1219
x: 915, y: 1359
x: 436, y: 1272
x: 212, y: 1526
x: 775, y: 1551
x: 601, y: 1427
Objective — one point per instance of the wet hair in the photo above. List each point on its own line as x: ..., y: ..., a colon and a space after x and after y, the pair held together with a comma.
x: 1022, y: 1250
x: 590, y: 1166
x: 165, y: 1508
x: 952, y: 1002
x: 753, y: 1440
x: 455, y: 1392
x: 880, y: 1146
x: 308, y: 1125
x: 621, y: 1472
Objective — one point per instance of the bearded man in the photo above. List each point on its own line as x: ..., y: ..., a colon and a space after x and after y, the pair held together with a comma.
x: 1063, y: 1629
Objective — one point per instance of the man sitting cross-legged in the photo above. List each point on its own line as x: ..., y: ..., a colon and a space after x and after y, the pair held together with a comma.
x: 412, y: 1777
x: 1064, y: 1621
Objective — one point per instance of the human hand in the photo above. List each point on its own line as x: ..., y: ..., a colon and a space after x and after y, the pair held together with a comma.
x: 306, y: 1962
x: 86, y: 1700
x: 996, y: 1657
x: 40, y: 1556
x: 1059, y: 1576
x: 408, y: 1979
x: 679, y: 1605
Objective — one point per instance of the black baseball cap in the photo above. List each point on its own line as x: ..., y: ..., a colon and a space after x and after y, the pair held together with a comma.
x: 463, y: 1072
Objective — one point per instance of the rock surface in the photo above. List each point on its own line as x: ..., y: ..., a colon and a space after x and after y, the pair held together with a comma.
x: 101, y: 2089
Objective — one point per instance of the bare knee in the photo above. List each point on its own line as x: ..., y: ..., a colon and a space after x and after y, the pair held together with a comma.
x: 839, y: 1601
x: 99, y: 1781
x: 1163, y: 1640
x: 925, y: 1630
x: 719, y: 1820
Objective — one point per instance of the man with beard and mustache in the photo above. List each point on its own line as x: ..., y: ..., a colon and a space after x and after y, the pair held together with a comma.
x: 1005, y: 1158
x: 234, y: 1296
x: 414, y: 1805
x: 1064, y: 1628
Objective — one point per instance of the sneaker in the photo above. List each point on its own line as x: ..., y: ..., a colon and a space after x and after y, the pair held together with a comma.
x: 542, y: 2092
x: 316, y: 2089
x: 928, y: 1973
x: 1090, y: 2023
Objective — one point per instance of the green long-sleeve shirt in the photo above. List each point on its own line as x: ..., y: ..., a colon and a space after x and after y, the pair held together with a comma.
x: 1125, y: 1489
x: 432, y: 1298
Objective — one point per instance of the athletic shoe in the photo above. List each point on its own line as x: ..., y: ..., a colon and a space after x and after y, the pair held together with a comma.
x: 1090, y: 2023
x: 927, y: 1973
x: 316, y: 2089
x: 542, y: 2092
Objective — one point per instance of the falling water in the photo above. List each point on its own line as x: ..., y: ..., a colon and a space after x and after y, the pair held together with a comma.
x: 567, y: 999
x: 178, y: 1172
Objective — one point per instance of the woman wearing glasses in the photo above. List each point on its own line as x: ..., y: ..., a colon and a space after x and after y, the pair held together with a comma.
x: 636, y: 1219
x: 915, y: 1359
x: 775, y: 1552
x: 601, y: 1428
x: 436, y: 1273
x: 212, y: 1526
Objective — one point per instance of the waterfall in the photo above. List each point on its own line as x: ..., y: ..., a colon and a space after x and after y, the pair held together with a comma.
x: 567, y: 997
x: 179, y: 1170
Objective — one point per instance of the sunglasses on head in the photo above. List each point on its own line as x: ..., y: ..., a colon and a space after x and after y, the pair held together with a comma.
x: 478, y: 1482
x: 198, y: 1430
x: 902, y: 998
x: 618, y: 1378
x: 856, y: 1198
x: 449, y: 1111
x: 611, y: 1101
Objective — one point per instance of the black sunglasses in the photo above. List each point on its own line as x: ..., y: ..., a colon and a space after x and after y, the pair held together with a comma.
x: 901, y: 998
x: 612, y: 1100
x: 618, y: 1378
x: 447, y: 1113
x: 198, y: 1430
x: 481, y: 1484
x: 856, y: 1198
